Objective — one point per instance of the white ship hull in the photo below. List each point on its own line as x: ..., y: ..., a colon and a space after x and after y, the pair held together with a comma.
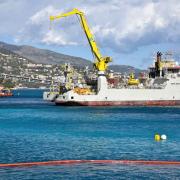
x: 49, y: 96
x: 167, y: 96
x: 118, y: 103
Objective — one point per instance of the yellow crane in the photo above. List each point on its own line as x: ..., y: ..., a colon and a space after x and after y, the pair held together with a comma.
x: 100, y: 61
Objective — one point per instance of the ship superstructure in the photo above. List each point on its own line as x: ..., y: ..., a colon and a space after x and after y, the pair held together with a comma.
x: 161, y: 88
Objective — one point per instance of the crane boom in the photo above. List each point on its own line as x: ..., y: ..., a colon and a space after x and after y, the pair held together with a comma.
x: 100, y: 62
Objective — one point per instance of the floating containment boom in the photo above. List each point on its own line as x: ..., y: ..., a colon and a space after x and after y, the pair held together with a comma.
x: 71, y: 162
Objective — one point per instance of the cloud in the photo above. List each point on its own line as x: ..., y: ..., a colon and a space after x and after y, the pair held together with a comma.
x: 121, y: 26
x: 14, y: 14
x: 42, y: 16
x: 53, y: 37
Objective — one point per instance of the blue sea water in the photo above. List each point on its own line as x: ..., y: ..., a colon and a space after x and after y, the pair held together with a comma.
x: 34, y: 130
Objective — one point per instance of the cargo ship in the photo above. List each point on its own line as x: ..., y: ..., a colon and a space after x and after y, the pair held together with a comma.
x: 160, y: 88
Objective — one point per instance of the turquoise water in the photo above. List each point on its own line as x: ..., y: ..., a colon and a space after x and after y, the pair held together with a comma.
x: 34, y: 130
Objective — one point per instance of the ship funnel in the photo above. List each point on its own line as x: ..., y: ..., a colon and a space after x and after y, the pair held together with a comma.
x: 158, y: 65
x: 159, y: 54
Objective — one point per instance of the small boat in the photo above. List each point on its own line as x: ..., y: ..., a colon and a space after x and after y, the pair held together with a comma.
x: 5, y: 92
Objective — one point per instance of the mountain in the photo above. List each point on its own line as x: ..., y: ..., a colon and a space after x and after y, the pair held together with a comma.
x: 44, y: 56
x: 125, y: 69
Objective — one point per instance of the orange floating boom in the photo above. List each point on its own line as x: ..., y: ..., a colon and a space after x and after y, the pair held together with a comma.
x: 70, y: 162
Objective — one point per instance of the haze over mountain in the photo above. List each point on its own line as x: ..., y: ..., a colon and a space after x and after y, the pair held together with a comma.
x: 50, y: 57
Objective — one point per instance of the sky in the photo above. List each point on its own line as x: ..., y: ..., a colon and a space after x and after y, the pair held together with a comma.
x: 130, y: 31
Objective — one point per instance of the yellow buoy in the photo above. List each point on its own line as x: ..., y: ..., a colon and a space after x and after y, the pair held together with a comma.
x: 157, y: 137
